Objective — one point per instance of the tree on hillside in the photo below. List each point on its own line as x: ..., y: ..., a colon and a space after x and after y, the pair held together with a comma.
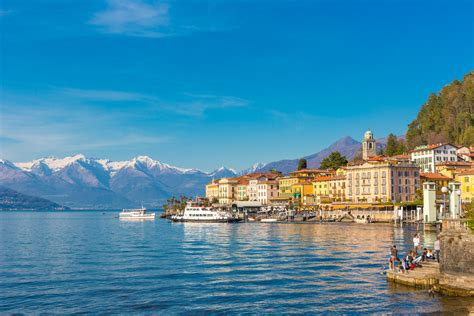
x: 334, y: 161
x: 446, y: 117
x: 302, y: 164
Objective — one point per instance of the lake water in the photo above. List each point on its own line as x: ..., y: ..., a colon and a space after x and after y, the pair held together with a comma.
x: 92, y: 262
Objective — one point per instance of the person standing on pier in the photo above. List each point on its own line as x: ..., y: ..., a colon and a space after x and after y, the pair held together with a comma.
x: 416, y: 242
x: 437, y: 248
x: 394, y: 257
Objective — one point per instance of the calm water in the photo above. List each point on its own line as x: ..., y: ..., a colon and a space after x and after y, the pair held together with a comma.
x: 91, y: 262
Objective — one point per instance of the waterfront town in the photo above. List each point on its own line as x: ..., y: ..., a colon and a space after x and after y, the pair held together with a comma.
x: 371, y: 187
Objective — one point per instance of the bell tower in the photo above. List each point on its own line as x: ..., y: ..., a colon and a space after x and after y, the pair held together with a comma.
x: 369, y: 146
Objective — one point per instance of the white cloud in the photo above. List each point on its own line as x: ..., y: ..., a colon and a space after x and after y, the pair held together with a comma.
x: 133, y: 17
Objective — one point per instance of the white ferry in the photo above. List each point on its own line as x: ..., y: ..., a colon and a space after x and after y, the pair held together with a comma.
x: 198, y: 213
x: 136, y: 213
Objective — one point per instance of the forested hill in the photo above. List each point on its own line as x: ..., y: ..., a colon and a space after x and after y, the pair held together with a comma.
x: 446, y: 117
x: 13, y: 200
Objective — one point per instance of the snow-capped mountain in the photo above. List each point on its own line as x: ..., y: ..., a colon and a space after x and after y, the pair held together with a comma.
x: 255, y: 167
x: 82, y: 182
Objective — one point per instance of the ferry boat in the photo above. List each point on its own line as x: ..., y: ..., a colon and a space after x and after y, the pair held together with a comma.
x: 136, y: 213
x: 198, y: 213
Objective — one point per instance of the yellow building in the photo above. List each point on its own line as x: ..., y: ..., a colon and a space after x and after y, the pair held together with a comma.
x: 466, y: 178
x: 284, y: 186
x: 227, y: 191
x: 302, y: 193
x: 321, y: 188
x: 212, y: 190
x: 451, y: 168
x: 439, y: 179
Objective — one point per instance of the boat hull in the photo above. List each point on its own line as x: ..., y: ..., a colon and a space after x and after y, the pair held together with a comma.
x: 148, y: 216
x: 182, y: 220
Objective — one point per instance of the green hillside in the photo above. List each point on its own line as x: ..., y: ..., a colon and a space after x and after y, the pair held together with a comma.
x: 13, y: 200
x: 446, y: 117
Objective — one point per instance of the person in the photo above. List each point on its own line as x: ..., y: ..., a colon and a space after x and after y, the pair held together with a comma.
x: 424, y: 255
x: 430, y: 255
x: 393, y: 257
x: 437, y: 248
x: 416, y: 242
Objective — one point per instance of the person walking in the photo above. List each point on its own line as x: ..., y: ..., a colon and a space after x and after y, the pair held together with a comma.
x: 437, y: 248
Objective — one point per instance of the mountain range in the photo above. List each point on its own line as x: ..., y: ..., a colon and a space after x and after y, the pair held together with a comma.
x: 82, y: 182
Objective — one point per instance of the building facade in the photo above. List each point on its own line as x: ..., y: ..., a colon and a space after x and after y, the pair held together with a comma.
x: 427, y: 157
x: 227, y: 191
x: 466, y: 178
x: 382, y: 181
x: 212, y: 191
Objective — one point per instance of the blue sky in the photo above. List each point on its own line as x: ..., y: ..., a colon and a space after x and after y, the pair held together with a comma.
x: 210, y: 83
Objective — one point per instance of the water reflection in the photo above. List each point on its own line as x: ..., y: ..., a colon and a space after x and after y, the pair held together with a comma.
x: 90, y: 262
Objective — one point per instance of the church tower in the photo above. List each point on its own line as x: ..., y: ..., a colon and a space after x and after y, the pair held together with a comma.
x: 369, y: 148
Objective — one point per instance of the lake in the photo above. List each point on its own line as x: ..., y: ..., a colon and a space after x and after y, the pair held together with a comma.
x: 92, y: 262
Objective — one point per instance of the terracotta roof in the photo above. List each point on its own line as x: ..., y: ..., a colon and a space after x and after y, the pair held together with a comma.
x: 469, y: 172
x: 323, y: 178
x: 455, y: 163
x: 311, y: 170
x: 434, y: 176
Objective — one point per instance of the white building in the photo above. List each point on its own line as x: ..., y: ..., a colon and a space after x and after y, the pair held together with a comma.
x: 267, y: 188
x: 428, y: 156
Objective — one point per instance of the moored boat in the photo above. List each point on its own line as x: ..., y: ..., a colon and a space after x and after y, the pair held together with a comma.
x: 198, y: 213
x: 136, y: 213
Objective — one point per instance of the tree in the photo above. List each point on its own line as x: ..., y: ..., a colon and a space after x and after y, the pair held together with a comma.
x: 302, y: 164
x: 334, y: 161
x: 447, y: 116
x: 392, y: 145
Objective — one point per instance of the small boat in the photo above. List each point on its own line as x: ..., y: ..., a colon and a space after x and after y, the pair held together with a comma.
x: 198, y: 213
x: 269, y: 220
x: 136, y: 213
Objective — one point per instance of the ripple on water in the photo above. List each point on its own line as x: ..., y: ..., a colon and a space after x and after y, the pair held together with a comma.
x: 75, y: 262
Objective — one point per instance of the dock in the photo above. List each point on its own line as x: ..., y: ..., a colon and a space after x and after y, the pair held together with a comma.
x: 429, y: 277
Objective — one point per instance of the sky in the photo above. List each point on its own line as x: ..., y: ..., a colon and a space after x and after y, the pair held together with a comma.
x: 201, y: 84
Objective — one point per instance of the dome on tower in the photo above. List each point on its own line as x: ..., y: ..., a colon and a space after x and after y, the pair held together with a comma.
x: 368, y: 135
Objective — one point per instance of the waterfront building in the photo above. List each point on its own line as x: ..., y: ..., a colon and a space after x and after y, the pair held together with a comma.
x: 212, y: 190
x: 438, y: 179
x: 337, y: 188
x: 428, y: 156
x: 369, y: 145
x: 267, y: 188
x: 302, y: 193
x: 381, y: 180
x: 242, y: 188
x: 284, y: 186
x: 321, y: 189
x: 452, y: 168
x: 466, y: 178
x: 227, y: 191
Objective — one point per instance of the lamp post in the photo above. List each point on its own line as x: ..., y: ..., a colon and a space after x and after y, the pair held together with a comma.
x: 458, y: 193
x: 444, y: 190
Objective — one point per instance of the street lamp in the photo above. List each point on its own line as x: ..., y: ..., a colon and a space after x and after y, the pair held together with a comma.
x: 444, y: 190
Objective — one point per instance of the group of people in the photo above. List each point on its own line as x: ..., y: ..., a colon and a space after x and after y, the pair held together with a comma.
x: 413, y: 259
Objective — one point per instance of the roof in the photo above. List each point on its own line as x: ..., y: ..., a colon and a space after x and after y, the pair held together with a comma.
x: 469, y: 172
x: 431, y: 147
x: 311, y: 170
x: 323, y: 178
x: 455, y: 163
x: 434, y: 176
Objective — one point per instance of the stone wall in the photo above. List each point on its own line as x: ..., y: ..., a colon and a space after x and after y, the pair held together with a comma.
x: 457, y: 251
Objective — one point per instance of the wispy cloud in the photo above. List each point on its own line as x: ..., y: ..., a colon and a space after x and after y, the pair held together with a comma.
x: 104, y: 95
x: 133, y: 18
x: 4, y: 13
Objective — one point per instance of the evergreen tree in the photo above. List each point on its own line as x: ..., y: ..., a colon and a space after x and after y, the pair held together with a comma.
x: 302, y: 164
x: 392, y: 145
x: 334, y: 161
